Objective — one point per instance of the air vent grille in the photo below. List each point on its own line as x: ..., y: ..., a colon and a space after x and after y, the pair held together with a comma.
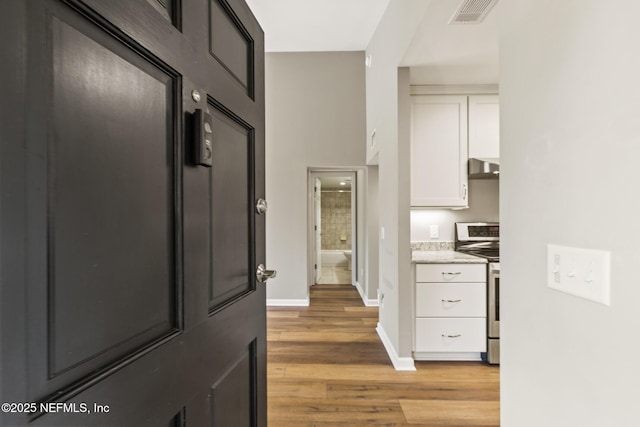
x: 472, y: 11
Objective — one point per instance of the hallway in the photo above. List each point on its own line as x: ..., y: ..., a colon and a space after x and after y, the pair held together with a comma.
x: 327, y: 367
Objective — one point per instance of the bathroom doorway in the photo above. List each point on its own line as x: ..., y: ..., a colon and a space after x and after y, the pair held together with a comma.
x: 332, y: 235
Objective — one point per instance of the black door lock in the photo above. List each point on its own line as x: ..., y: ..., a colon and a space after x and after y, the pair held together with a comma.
x: 203, y: 137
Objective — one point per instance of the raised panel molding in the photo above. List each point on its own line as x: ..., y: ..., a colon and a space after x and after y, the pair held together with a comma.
x: 171, y: 10
x: 233, y: 254
x: 222, y: 47
x: 180, y: 419
x: 232, y: 400
x: 91, y: 313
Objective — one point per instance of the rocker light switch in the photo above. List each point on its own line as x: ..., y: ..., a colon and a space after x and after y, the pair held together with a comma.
x: 581, y: 272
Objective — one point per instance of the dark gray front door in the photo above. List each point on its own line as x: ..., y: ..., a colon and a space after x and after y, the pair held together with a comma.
x: 129, y: 295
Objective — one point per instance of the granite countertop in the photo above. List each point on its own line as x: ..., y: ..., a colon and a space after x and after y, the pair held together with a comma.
x: 444, y: 257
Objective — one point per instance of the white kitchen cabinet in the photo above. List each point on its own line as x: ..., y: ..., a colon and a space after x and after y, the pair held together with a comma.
x: 443, y: 273
x: 455, y: 335
x: 450, y: 300
x: 439, y: 151
x: 484, y: 126
x: 450, y: 311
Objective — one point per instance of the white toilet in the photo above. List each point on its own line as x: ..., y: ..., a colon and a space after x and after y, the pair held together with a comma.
x: 347, y: 254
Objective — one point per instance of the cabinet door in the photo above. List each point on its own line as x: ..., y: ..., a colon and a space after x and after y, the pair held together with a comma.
x: 439, y: 151
x: 484, y: 126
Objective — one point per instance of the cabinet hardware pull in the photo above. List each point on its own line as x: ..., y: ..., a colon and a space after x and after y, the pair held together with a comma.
x: 452, y: 336
x: 450, y: 273
x: 451, y: 300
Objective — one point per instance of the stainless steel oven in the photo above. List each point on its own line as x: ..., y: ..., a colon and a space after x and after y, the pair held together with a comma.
x: 493, y: 313
x: 482, y: 239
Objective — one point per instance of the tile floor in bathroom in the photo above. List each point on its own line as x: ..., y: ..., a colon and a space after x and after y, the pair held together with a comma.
x: 335, y: 276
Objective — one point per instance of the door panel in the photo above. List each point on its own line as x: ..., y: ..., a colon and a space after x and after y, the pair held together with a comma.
x: 100, y: 249
x: 235, y: 383
x: 128, y: 272
x: 227, y: 37
x: 102, y: 200
x: 231, y: 212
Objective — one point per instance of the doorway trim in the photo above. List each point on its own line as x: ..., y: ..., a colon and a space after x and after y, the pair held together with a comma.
x: 312, y: 174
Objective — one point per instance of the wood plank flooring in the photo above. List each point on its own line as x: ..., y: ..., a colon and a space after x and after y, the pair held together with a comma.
x: 328, y: 368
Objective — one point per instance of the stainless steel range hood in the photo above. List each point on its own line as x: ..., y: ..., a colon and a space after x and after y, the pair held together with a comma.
x: 486, y: 168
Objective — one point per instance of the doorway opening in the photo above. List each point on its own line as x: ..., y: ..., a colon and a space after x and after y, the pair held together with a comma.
x: 332, y: 228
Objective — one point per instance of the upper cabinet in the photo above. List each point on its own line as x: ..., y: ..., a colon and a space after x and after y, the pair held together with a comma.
x: 439, y: 151
x: 484, y: 126
x: 447, y: 130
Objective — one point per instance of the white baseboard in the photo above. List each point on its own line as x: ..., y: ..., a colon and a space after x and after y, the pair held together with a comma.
x: 418, y: 355
x: 288, y: 302
x: 399, y: 363
x: 367, y: 302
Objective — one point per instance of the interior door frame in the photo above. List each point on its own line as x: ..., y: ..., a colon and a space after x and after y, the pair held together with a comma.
x: 317, y: 228
x: 312, y: 174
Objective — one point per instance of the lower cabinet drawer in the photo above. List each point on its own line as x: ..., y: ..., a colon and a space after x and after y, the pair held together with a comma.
x: 451, y: 273
x: 451, y: 334
x: 451, y: 300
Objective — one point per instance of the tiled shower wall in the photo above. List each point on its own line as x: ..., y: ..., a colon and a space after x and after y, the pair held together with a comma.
x: 336, y: 220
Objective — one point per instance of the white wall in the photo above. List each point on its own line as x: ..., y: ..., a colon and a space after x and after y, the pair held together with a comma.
x: 389, y: 42
x: 361, y: 274
x: 483, y: 206
x: 372, y: 234
x: 570, y: 144
x: 315, y: 117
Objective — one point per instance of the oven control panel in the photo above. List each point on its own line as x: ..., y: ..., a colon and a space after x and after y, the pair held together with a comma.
x: 484, y: 231
x: 477, y: 231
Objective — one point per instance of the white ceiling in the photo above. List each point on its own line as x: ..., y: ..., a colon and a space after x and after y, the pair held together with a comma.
x: 317, y: 25
x: 454, y: 54
x: 439, y: 53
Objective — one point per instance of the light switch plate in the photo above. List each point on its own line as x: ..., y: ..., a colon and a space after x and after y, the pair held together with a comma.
x: 581, y: 272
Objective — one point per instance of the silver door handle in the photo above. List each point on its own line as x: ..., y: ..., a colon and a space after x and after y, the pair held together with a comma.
x: 451, y: 300
x: 446, y: 273
x: 261, y: 206
x: 451, y: 336
x: 262, y: 274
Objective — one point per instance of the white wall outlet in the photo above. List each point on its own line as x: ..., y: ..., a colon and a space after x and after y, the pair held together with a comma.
x: 434, y: 231
x: 581, y: 272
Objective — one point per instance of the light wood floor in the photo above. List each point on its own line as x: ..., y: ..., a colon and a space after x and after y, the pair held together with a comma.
x: 327, y: 367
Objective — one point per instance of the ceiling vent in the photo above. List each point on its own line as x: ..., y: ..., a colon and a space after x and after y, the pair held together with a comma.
x: 471, y: 11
